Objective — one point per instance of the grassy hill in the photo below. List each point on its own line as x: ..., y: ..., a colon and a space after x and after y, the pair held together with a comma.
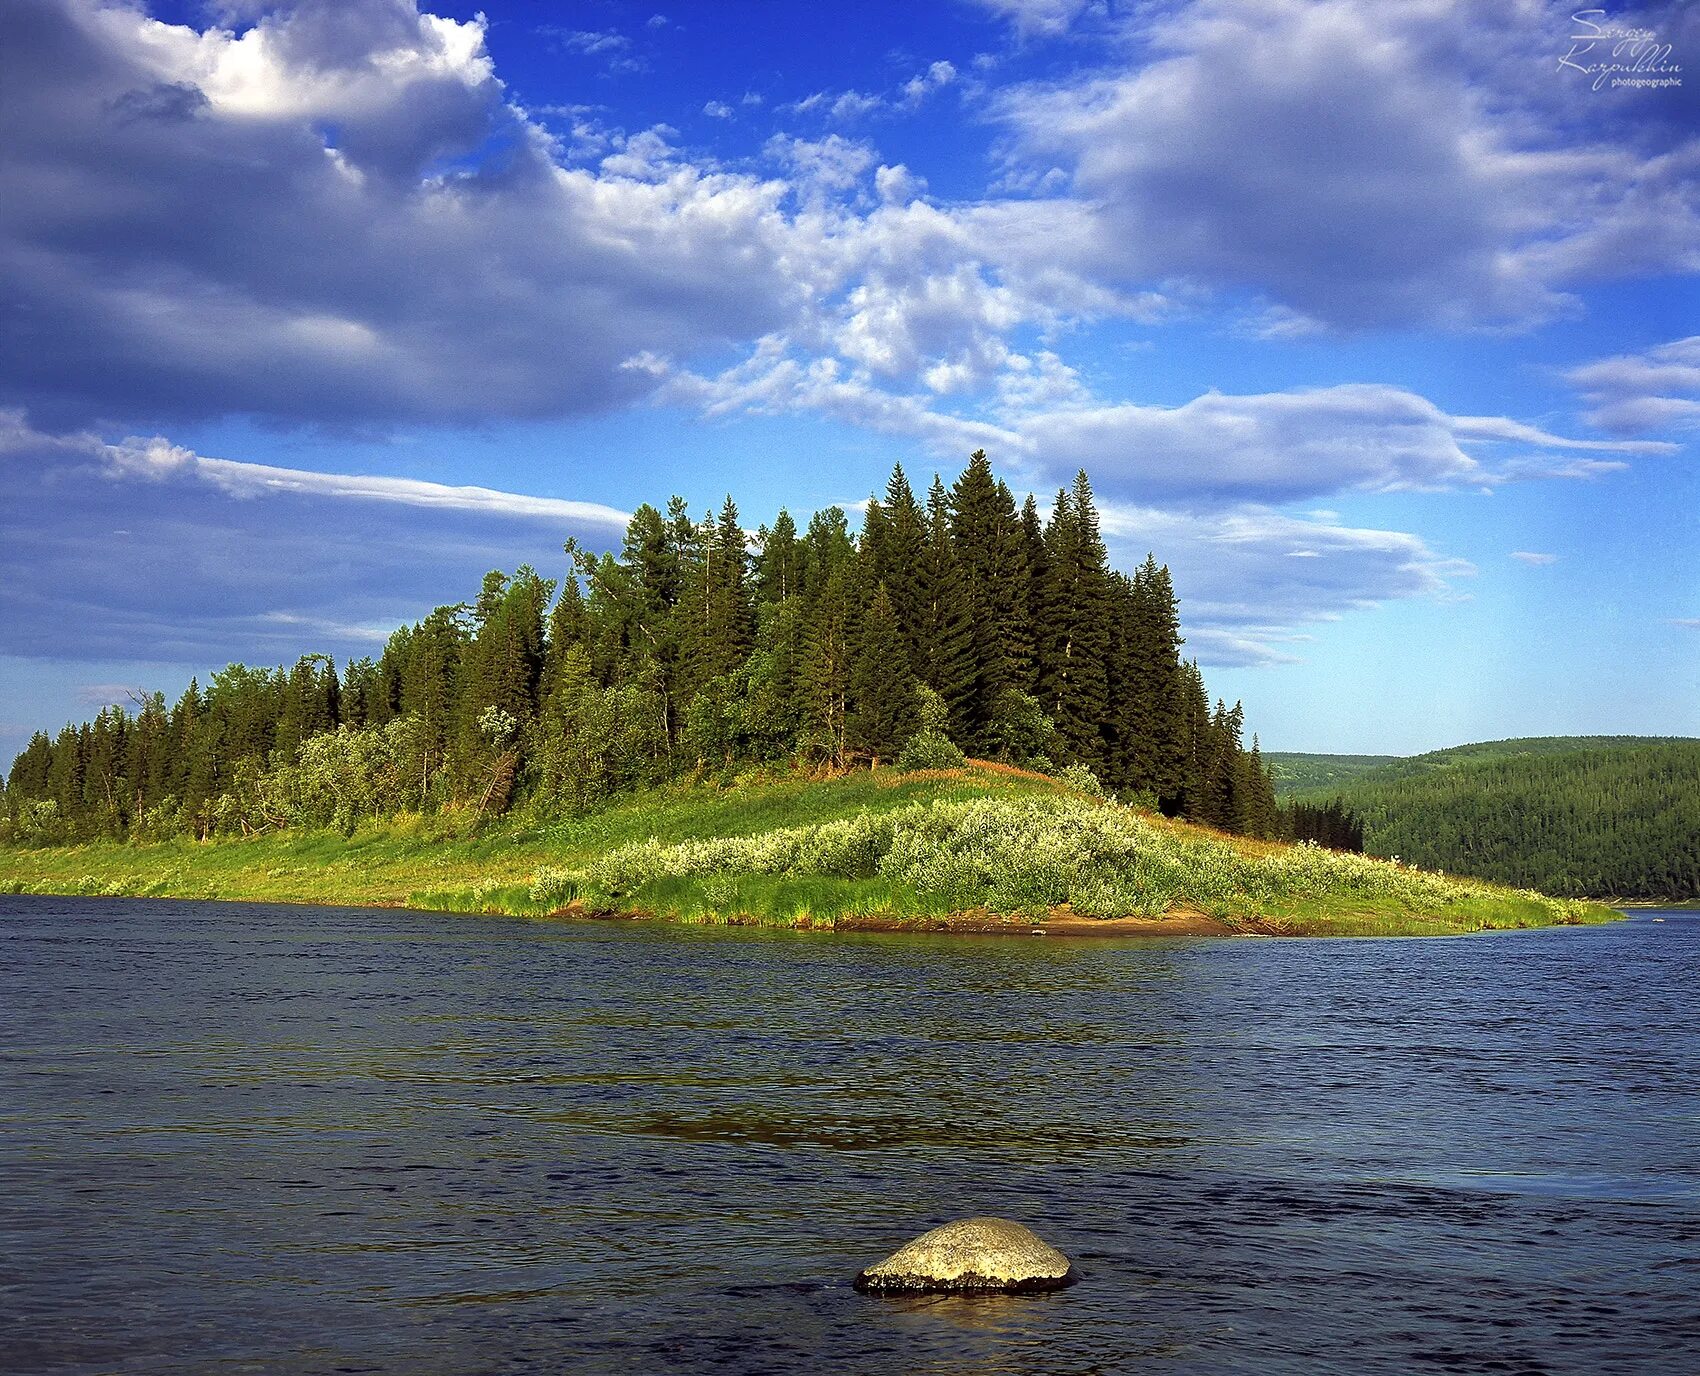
x: 971, y: 847
x: 1607, y: 816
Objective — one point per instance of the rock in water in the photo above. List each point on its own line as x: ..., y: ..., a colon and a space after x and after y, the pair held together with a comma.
x: 972, y: 1254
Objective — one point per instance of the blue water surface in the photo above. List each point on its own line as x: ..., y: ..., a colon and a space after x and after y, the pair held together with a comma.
x: 249, y: 1138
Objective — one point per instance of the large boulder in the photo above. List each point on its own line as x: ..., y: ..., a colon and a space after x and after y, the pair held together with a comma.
x: 972, y: 1254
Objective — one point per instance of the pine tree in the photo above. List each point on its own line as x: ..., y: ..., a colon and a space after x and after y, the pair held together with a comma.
x: 824, y: 680
x: 986, y: 534
x: 945, y: 640
x: 882, y: 688
x: 1077, y: 628
x: 827, y: 548
x: 779, y: 566
x: 898, y: 566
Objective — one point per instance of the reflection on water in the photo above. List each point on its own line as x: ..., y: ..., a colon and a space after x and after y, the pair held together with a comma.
x: 245, y: 1138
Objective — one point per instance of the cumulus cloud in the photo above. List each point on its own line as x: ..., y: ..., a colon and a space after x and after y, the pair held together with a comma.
x: 845, y: 107
x: 334, y: 215
x: 1363, y: 164
x: 1658, y: 389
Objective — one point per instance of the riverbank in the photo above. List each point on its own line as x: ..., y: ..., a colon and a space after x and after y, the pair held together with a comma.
x: 972, y: 850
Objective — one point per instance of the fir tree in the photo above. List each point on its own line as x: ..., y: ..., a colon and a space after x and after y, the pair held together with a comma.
x: 945, y: 639
x: 824, y: 679
x: 779, y: 566
x: 882, y: 687
x: 1075, y: 618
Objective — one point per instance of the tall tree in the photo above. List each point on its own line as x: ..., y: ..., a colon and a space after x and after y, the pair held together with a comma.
x: 882, y: 687
x: 943, y: 610
x: 1076, y: 624
x: 986, y: 534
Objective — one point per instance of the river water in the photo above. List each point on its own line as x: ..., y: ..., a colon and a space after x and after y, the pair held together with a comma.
x: 243, y: 1138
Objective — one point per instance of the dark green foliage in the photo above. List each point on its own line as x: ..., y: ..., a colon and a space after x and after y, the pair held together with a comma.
x: 882, y: 687
x: 960, y: 621
x: 823, y: 684
x: 1076, y: 620
x: 1330, y: 824
x: 943, y: 612
x: 779, y: 566
x: 1615, y: 817
x: 986, y: 537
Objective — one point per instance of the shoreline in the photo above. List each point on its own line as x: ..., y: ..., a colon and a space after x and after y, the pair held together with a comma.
x: 1179, y: 922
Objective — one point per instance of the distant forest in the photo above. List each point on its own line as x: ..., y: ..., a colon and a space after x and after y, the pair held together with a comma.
x: 958, y: 622
x: 1603, y: 817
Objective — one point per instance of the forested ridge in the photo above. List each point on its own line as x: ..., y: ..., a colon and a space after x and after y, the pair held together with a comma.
x: 1610, y: 817
x: 951, y: 622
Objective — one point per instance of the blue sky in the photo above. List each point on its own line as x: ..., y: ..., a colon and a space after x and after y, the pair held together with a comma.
x: 1377, y: 322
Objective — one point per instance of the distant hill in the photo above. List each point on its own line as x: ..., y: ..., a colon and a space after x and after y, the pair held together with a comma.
x: 1297, y: 772
x: 1605, y: 816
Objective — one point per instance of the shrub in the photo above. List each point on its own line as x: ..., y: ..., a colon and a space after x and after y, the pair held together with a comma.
x: 1082, y: 780
x: 929, y: 750
x: 555, y: 888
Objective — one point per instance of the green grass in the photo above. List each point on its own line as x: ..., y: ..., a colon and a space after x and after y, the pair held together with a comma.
x: 792, y: 851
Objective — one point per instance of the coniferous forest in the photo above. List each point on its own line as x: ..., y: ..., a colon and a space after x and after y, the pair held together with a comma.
x: 954, y: 622
x: 1597, y: 816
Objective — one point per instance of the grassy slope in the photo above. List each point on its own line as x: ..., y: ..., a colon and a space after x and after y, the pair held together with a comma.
x: 686, y: 853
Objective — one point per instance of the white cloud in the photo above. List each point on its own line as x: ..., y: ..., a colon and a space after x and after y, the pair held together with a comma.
x: 159, y: 460
x: 717, y: 109
x: 1527, y: 556
x: 587, y: 41
x: 243, y: 265
x: 1361, y: 164
x: 846, y: 107
x: 1248, y: 576
x: 1658, y: 389
x: 1045, y: 18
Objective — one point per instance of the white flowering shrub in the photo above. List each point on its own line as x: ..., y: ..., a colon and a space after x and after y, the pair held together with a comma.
x: 557, y: 888
x: 1035, y: 853
x: 1082, y: 780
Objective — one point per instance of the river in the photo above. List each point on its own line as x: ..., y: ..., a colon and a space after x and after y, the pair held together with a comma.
x: 247, y: 1138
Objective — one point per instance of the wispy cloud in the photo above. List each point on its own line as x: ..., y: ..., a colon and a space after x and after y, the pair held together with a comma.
x: 1527, y: 556
x: 159, y: 460
x: 1657, y: 389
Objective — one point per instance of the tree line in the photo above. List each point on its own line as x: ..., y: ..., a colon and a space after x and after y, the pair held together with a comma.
x: 1622, y: 821
x: 952, y: 622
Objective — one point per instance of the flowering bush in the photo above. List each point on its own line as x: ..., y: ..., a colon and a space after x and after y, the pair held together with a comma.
x: 1031, y: 854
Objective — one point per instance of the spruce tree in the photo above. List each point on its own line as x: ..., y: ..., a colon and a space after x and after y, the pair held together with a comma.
x: 899, y: 566
x: 779, y: 566
x: 986, y: 534
x: 824, y: 678
x: 943, y: 609
x: 1075, y: 618
x: 882, y: 687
